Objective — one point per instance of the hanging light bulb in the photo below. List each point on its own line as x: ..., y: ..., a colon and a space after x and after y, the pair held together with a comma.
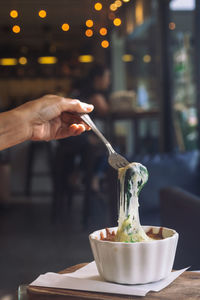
x: 105, y: 44
x: 103, y: 31
x: 42, y: 13
x: 65, y: 27
x: 118, y: 3
x: 14, y: 14
x: 16, y: 29
x: 113, y: 7
x: 117, y: 21
x: 98, y: 6
x: 89, y: 23
x: 89, y: 32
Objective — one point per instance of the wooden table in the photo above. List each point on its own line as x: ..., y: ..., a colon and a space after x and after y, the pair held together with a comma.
x: 185, y: 287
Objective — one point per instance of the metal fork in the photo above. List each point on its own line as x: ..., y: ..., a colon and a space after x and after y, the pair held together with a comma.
x: 115, y: 160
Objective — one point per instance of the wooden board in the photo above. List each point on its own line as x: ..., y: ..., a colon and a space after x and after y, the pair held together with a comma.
x: 185, y: 287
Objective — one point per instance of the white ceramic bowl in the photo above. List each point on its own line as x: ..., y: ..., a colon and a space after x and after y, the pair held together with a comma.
x: 134, y: 263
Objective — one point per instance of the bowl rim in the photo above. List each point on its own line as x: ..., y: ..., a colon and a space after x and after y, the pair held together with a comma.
x: 175, y: 235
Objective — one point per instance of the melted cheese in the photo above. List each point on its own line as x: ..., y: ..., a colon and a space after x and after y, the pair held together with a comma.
x: 132, y: 179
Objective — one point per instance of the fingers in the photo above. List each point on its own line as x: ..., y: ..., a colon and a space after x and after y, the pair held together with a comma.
x: 75, y: 106
x: 76, y: 129
x: 72, y: 130
x: 69, y: 118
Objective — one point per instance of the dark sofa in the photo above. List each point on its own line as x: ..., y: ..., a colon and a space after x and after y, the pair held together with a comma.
x: 180, y: 210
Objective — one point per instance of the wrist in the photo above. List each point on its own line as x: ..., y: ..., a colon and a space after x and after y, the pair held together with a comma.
x: 22, y: 119
x: 14, y: 128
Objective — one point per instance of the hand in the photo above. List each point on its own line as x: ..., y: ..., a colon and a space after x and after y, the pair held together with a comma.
x: 54, y: 117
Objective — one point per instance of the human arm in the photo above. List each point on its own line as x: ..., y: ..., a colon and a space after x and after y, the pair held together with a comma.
x: 47, y: 118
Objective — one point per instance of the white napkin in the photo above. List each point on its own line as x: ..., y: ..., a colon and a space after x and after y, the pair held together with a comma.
x: 88, y: 279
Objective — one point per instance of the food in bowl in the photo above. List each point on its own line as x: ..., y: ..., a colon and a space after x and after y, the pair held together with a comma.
x: 131, y: 253
x: 134, y: 263
x: 111, y: 235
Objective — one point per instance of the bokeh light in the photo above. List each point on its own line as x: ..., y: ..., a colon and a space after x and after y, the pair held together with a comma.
x: 98, y: 6
x: 105, y: 44
x: 113, y: 7
x: 47, y: 60
x: 117, y: 21
x: 89, y: 32
x: 65, y: 27
x: 89, y: 23
x: 103, y: 31
x: 147, y: 58
x: 16, y: 29
x: 87, y: 58
x: 14, y: 14
x: 23, y: 60
x: 118, y: 3
x: 42, y: 13
x: 8, y: 61
x: 127, y: 57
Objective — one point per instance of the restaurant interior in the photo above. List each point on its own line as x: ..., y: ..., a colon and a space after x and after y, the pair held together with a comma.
x: 53, y: 194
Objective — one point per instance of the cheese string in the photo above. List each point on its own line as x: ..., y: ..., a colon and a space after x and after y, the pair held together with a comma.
x: 132, y: 179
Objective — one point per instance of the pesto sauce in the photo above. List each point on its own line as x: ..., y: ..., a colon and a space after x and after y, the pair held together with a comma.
x: 132, y: 179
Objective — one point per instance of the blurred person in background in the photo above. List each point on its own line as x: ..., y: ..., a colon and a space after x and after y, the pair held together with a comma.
x: 96, y: 92
x: 85, y: 154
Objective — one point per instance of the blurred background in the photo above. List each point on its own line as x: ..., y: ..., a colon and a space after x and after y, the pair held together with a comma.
x: 138, y: 62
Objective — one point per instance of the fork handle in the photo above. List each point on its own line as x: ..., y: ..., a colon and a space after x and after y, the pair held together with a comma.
x: 86, y: 118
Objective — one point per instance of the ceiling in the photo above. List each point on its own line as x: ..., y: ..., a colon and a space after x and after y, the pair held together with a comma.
x: 35, y: 32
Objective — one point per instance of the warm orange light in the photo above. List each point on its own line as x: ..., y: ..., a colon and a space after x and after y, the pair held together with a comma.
x: 113, y: 7
x: 42, y: 13
x: 87, y: 58
x: 127, y: 57
x: 89, y: 32
x: 126, y: 0
x: 103, y: 31
x: 23, y: 60
x: 147, y: 58
x: 117, y: 22
x: 98, y: 6
x: 139, y: 15
x: 105, y: 44
x: 118, y: 3
x: 8, y: 61
x: 65, y: 27
x: 16, y: 29
x: 89, y: 23
x: 14, y: 14
x: 47, y: 60
x: 172, y: 25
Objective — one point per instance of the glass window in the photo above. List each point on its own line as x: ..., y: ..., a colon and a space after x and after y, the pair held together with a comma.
x: 183, y: 73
